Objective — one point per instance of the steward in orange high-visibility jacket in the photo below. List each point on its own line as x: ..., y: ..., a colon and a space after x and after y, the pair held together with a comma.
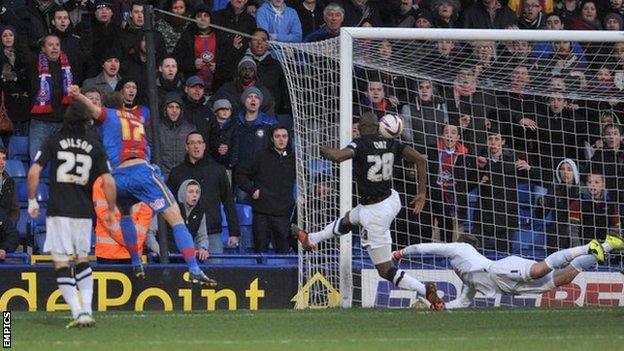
x: 110, y: 247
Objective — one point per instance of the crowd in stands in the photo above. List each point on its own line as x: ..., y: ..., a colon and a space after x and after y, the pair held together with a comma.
x: 222, y: 99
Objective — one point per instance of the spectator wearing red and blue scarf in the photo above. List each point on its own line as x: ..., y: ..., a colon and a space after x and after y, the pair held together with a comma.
x: 50, y: 81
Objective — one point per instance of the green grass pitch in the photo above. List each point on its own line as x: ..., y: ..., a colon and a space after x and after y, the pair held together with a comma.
x: 328, y: 330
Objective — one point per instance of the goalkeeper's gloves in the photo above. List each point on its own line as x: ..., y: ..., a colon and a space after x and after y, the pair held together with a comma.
x: 33, y: 208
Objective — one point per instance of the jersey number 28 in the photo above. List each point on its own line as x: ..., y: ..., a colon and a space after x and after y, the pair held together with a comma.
x: 75, y: 168
x: 381, y: 168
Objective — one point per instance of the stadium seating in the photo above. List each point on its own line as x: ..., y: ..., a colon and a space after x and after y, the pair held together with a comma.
x: 38, y: 228
x: 530, y: 239
x: 16, y: 169
x: 18, y: 148
x: 22, y: 194
x: 22, y: 226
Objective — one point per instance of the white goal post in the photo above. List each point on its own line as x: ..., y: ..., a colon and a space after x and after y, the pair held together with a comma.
x: 336, y: 264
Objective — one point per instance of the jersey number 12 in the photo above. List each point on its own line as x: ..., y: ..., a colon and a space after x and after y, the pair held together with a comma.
x: 381, y: 168
x: 75, y: 168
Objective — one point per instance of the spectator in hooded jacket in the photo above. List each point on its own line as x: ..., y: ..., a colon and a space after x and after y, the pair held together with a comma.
x: 280, y: 21
x: 560, y: 232
x: 269, y: 178
x: 173, y: 130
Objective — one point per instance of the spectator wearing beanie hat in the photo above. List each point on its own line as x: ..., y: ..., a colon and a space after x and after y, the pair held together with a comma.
x: 101, y: 33
x: 225, y: 124
x: 424, y: 19
x: 251, y: 132
x: 247, y: 77
x: 107, y: 80
x: 172, y: 132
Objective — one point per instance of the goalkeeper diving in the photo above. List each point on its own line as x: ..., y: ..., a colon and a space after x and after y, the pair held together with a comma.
x: 512, y: 275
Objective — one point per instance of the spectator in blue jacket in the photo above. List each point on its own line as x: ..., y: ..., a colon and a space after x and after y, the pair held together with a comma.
x: 251, y: 132
x: 281, y: 21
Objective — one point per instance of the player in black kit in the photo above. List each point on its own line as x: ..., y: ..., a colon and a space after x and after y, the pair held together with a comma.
x: 76, y: 159
x: 373, y: 160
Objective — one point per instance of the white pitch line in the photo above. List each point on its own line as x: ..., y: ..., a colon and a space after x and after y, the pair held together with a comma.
x: 418, y: 339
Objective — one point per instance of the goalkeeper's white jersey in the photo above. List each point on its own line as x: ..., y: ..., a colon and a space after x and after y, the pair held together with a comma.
x: 473, y: 269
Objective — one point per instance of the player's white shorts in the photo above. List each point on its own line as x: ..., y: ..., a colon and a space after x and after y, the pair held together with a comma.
x: 376, y: 220
x: 511, y: 274
x: 68, y: 236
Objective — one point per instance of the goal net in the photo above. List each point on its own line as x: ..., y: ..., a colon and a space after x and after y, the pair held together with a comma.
x: 523, y: 137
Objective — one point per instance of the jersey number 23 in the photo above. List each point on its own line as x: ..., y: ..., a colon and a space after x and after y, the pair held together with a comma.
x: 75, y: 168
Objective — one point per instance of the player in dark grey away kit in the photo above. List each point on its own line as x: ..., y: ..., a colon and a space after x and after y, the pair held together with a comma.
x: 76, y: 159
x: 373, y: 160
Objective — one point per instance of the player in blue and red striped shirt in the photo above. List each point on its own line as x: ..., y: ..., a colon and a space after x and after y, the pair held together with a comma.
x: 138, y: 181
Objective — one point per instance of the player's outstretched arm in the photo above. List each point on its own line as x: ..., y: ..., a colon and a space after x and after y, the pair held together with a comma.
x: 110, y: 193
x: 33, y: 182
x: 94, y: 111
x: 336, y: 155
x: 413, y: 156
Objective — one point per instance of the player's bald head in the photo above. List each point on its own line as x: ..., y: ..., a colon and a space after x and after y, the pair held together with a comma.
x: 369, y: 124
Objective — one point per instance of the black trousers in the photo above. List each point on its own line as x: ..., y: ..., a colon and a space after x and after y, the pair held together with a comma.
x: 267, y: 228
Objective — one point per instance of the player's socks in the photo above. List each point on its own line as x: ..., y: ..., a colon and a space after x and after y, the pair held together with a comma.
x: 84, y: 281
x: 184, y: 242
x: 563, y: 257
x: 67, y: 285
x: 130, y: 238
x: 330, y: 231
x: 404, y: 281
x: 583, y: 263
x: 443, y: 249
